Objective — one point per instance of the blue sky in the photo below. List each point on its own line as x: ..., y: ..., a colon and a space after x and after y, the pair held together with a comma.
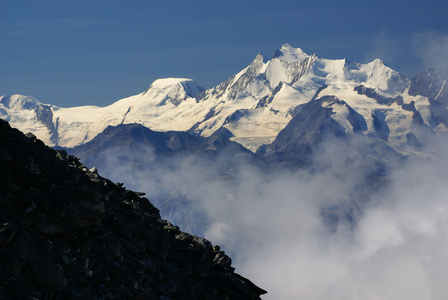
x: 71, y: 53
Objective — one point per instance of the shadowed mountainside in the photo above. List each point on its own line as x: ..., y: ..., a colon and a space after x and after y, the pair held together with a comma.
x: 66, y: 233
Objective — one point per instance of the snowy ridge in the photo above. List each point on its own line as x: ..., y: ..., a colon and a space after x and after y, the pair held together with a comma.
x: 254, y: 104
x: 163, y: 105
x: 29, y: 115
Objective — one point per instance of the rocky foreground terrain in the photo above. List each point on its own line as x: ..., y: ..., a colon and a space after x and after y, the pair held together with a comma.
x: 68, y: 233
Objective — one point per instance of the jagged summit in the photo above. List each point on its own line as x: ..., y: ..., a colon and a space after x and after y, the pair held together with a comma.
x: 189, y: 86
x: 289, y: 53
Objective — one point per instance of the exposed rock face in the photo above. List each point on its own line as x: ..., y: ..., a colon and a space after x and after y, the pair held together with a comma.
x: 68, y: 233
x: 296, y: 143
x: 432, y: 85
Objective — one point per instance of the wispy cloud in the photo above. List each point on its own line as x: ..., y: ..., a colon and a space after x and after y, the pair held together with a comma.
x: 385, y: 46
x: 433, y: 49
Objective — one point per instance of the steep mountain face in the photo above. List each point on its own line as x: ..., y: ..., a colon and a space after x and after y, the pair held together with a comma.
x: 431, y: 85
x: 300, y: 139
x: 255, y: 104
x: 68, y: 233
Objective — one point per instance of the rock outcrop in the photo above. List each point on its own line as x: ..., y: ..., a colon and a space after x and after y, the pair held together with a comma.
x: 68, y: 233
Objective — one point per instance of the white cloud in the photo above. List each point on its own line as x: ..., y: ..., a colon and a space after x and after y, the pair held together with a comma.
x: 272, y: 227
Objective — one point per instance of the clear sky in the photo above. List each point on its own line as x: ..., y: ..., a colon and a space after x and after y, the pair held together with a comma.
x: 71, y: 53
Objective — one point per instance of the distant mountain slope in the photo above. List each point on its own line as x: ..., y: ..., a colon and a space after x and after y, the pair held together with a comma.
x: 301, y: 138
x: 142, y: 158
x: 330, y: 118
x: 138, y: 147
x: 68, y: 233
x: 255, y: 104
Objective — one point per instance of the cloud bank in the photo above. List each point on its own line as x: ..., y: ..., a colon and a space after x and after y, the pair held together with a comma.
x: 272, y: 225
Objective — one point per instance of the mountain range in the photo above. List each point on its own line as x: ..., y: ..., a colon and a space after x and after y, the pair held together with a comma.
x: 257, y: 103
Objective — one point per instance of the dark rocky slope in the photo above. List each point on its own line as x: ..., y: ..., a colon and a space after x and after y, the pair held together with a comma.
x: 141, y: 157
x: 68, y: 233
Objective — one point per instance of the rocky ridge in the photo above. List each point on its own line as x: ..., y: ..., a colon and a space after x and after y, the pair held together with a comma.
x: 68, y: 233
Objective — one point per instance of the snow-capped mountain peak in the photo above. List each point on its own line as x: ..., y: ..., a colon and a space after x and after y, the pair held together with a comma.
x: 29, y: 115
x: 289, y: 53
x: 190, y: 87
x: 174, y: 90
x: 18, y: 102
x: 384, y: 78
